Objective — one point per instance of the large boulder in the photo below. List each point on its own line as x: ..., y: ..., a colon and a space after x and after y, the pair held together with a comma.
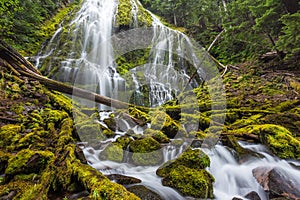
x: 146, y: 151
x: 277, y: 182
x: 187, y: 174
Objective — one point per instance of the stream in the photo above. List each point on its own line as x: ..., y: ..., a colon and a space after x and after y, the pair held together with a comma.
x: 232, y: 179
x: 85, y: 53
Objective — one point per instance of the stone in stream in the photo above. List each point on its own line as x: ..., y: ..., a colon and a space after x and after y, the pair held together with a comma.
x: 277, y: 182
x: 123, y: 180
x: 144, y: 193
x: 253, y: 196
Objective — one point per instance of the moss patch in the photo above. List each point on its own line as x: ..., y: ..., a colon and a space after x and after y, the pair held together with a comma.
x: 187, y: 174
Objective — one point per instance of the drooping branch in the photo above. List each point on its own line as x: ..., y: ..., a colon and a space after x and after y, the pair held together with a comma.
x: 20, y: 66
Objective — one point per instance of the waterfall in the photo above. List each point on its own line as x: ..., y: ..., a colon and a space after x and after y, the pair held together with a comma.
x: 82, y: 53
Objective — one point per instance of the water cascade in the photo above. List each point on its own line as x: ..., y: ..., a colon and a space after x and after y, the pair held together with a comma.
x: 84, y: 52
x: 88, y: 57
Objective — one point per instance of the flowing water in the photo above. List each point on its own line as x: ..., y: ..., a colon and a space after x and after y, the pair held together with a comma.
x: 89, y: 61
x: 236, y: 180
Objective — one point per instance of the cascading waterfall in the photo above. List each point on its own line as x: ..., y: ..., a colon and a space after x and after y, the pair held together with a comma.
x: 89, y: 62
x: 89, y: 57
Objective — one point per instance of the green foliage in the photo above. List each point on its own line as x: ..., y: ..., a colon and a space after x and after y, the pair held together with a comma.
x: 252, y: 27
x: 20, y: 21
x: 290, y: 41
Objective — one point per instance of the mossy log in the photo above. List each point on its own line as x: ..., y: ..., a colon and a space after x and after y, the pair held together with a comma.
x: 20, y: 66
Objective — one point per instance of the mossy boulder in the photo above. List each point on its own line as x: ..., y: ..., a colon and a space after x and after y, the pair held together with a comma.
x: 190, y: 182
x: 125, y: 15
x: 146, y: 151
x: 111, y: 123
x: 195, y: 159
x: 91, y: 131
x: 162, y: 121
x: 112, y: 152
x: 277, y: 138
x: 123, y: 141
x: 187, y: 174
x: 144, y: 192
x: 144, y: 145
x: 159, y: 136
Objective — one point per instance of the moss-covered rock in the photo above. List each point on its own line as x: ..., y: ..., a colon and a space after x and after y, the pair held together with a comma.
x: 146, y: 151
x: 277, y: 138
x: 144, y: 192
x: 190, y: 182
x: 194, y: 159
x: 125, y: 15
x: 158, y: 135
x: 187, y: 174
x: 162, y: 121
x: 123, y: 142
x: 112, y: 152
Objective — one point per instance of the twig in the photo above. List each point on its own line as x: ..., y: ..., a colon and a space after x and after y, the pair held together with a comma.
x: 226, y: 68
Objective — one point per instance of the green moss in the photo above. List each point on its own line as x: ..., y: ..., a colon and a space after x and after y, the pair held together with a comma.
x: 112, y: 152
x: 286, y: 105
x: 124, y: 16
x: 27, y: 161
x: 190, y: 182
x: 138, y: 114
x: 194, y: 159
x: 254, y: 119
x: 146, y: 151
x: 159, y: 136
x: 26, y: 177
x: 9, y: 136
x: 150, y: 158
x: 123, y: 142
x: 144, y: 145
x: 144, y: 17
x: 32, y: 139
x: 21, y: 187
x: 199, y: 119
x: 99, y: 186
x: 277, y: 138
x: 17, y: 108
x: 111, y: 123
x: 162, y: 121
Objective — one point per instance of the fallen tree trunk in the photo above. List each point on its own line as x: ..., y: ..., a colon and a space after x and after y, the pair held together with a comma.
x: 20, y: 66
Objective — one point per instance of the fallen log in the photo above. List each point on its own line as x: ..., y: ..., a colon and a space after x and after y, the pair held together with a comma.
x: 18, y: 65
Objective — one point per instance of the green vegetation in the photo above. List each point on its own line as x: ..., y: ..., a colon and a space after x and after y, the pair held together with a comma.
x: 22, y: 23
x: 38, y: 152
x: 40, y: 128
x: 252, y: 28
